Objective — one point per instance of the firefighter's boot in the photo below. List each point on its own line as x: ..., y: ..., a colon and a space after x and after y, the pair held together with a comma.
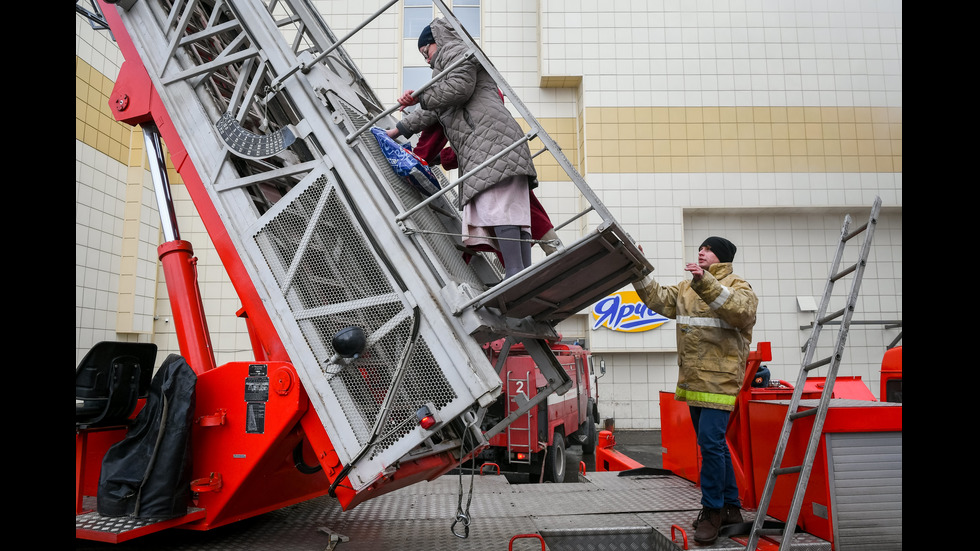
x: 709, y: 522
x: 730, y: 514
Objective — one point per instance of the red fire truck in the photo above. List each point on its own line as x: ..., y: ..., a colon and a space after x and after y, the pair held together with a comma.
x: 535, y: 441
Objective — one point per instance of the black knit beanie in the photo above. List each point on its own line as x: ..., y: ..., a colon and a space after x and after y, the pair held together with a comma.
x: 426, y: 37
x: 723, y: 248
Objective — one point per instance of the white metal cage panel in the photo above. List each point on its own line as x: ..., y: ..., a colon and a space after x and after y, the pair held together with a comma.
x: 330, y: 277
x: 274, y: 116
x: 314, y: 223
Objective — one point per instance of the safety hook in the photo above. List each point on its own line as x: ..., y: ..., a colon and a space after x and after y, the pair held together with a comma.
x: 466, y: 525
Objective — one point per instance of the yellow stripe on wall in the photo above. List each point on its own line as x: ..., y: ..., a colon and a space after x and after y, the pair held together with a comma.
x: 638, y: 139
x: 743, y: 139
x: 565, y: 134
x: 94, y: 124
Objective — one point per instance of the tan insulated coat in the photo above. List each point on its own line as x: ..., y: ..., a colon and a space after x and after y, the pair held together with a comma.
x: 477, y: 123
x: 714, y: 317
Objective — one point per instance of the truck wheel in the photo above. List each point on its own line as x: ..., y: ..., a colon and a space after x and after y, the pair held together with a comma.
x: 555, y: 461
x: 590, y: 434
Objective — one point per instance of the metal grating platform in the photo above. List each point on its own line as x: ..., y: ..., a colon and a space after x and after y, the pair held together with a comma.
x: 119, y: 529
x: 603, y: 511
x: 563, y: 284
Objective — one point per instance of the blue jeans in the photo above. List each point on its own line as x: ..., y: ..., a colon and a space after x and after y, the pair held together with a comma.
x: 718, y: 485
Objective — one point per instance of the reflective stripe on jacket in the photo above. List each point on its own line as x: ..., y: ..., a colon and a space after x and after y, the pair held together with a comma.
x: 715, y: 316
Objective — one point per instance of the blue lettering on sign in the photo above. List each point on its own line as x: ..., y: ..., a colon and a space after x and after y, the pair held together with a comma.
x: 616, y: 314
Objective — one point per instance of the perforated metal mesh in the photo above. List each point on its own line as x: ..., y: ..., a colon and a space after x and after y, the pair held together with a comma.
x: 337, y: 266
x: 337, y: 282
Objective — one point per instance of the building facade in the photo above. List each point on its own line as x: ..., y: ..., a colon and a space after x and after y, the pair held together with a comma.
x: 764, y: 121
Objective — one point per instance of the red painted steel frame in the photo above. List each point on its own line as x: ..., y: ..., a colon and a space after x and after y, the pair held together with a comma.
x: 891, y: 370
x: 243, y: 452
x: 119, y: 537
x: 190, y: 325
x: 739, y: 431
x: 680, y: 444
x: 608, y: 459
x: 90, y: 446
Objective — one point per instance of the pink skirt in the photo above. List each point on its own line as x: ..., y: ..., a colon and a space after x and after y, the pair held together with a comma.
x: 505, y: 204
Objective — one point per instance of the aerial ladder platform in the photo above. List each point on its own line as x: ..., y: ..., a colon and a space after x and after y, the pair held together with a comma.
x: 350, y: 279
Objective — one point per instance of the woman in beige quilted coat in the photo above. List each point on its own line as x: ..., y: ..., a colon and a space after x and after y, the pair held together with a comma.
x: 467, y: 104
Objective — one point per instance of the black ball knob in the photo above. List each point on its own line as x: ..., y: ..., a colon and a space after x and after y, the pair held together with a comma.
x: 349, y: 341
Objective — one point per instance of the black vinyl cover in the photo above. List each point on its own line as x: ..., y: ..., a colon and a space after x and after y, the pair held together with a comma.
x: 147, y: 474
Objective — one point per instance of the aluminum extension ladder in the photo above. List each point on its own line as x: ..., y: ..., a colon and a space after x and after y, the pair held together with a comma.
x: 820, y: 412
x: 525, y: 424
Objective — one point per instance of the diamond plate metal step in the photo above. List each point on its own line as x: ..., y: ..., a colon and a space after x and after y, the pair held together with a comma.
x: 602, y: 511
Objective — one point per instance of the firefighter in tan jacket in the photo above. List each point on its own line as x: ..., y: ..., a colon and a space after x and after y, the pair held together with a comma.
x: 715, y: 313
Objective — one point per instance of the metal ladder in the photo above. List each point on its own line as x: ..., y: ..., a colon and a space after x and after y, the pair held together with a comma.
x: 820, y: 412
x: 525, y: 424
x: 260, y: 99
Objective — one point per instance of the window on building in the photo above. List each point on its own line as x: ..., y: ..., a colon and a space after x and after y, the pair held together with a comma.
x: 418, y: 14
x: 414, y: 77
x: 468, y: 13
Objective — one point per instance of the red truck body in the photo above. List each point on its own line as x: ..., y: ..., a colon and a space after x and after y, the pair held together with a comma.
x: 854, y: 489
x: 891, y: 376
x: 536, y: 441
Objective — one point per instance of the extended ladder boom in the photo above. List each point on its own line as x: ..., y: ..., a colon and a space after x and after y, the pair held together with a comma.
x: 263, y: 112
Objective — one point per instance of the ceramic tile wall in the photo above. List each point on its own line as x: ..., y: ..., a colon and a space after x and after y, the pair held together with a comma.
x: 120, y: 293
x: 113, y: 286
x: 739, y: 52
x: 694, y: 112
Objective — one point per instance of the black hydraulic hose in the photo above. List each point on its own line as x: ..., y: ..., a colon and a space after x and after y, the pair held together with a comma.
x: 301, y: 465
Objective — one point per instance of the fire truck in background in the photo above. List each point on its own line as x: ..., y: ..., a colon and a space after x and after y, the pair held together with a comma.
x: 535, y: 441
